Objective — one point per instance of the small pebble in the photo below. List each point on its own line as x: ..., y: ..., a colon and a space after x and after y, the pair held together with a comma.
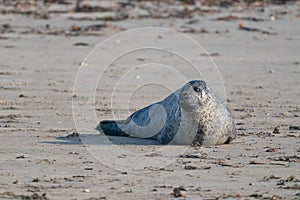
x: 276, y: 130
x: 86, y: 190
x: 271, y: 71
x: 178, y: 192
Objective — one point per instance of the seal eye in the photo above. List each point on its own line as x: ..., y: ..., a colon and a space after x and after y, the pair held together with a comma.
x: 196, y: 89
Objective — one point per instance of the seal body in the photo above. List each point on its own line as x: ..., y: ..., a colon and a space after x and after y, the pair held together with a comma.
x: 193, y: 114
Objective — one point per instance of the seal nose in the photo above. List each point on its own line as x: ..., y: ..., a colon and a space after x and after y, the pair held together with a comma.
x: 202, y: 94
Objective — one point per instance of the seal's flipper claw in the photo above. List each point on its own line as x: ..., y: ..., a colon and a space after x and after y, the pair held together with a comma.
x: 110, y: 127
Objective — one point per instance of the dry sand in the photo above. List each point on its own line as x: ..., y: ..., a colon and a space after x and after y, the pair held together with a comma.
x: 261, y: 74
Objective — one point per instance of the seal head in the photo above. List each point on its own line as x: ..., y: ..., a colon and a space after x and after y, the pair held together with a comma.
x: 194, y: 95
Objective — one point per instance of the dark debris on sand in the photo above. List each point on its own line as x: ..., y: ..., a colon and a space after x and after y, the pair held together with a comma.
x: 122, y: 10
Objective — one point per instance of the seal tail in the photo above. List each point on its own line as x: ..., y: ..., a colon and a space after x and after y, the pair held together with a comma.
x: 110, y: 127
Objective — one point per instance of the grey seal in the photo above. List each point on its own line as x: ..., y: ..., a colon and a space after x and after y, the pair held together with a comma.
x: 192, y: 115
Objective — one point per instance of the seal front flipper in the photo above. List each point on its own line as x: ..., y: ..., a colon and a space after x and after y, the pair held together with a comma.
x: 111, y: 127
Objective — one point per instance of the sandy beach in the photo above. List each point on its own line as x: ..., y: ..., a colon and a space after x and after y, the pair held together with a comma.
x: 64, y: 68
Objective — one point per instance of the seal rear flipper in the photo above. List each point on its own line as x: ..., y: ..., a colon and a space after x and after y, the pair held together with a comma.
x: 110, y: 127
